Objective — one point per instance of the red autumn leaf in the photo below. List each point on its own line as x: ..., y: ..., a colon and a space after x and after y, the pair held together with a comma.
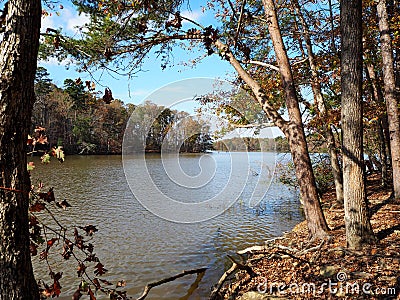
x: 108, y: 97
x: 78, y: 239
x: 43, y: 254
x: 47, y: 292
x: 96, y: 283
x: 33, y: 221
x: 42, y: 139
x: 33, y: 249
x: 105, y: 282
x: 51, y: 242
x: 92, y: 258
x: 38, y: 206
x: 81, y: 269
x: 30, y: 140
x: 89, y: 229
x: 56, y: 41
x: 77, y: 295
x: 121, y: 283
x: 90, y: 248
x: 63, y: 204
x: 90, y: 293
x: 48, y: 197
x: 99, y: 269
x: 56, y: 276
x: 56, y: 288
x: 66, y: 252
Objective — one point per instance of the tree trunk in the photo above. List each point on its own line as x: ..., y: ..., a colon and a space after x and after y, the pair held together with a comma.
x: 378, y: 98
x: 358, y: 226
x: 316, y: 88
x: 18, y: 58
x: 389, y: 84
x: 293, y: 129
x: 295, y: 133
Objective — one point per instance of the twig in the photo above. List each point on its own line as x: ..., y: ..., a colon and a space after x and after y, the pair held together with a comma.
x: 149, y: 286
x: 235, y: 266
x: 239, y: 25
x: 12, y: 190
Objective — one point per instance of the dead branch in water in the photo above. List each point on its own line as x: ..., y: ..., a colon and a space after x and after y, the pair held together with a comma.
x: 235, y: 266
x: 150, y: 285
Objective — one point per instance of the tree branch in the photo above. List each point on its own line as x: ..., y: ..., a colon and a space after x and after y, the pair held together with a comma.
x: 254, y: 125
x: 263, y: 64
x: 149, y: 286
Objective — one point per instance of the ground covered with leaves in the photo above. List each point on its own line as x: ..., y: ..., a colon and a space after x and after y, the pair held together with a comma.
x: 291, y: 267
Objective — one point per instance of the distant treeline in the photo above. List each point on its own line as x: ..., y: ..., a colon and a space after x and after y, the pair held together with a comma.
x: 154, y: 128
x: 84, y: 122
x: 278, y: 144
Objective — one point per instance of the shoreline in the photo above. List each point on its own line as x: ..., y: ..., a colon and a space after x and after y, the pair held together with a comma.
x: 292, y: 267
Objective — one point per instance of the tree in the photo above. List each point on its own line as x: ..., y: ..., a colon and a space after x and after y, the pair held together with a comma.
x: 18, y: 62
x: 320, y: 103
x: 358, y: 228
x: 146, y: 28
x: 43, y: 87
x: 389, y: 83
x: 76, y: 90
x: 295, y: 131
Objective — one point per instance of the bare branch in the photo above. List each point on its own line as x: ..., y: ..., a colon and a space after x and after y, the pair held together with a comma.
x: 254, y: 125
x: 149, y: 286
x: 263, y: 64
x: 239, y: 25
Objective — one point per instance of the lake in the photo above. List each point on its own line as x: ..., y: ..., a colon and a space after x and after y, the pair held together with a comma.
x: 157, y: 217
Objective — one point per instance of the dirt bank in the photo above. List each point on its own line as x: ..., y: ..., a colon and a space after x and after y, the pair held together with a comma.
x: 291, y: 267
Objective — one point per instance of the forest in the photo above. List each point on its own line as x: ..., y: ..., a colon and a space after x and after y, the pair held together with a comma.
x: 328, y: 70
x: 84, y: 122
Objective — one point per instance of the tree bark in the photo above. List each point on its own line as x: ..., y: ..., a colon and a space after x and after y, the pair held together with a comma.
x: 293, y: 129
x: 358, y: 227
x: 18, y: 59
x: 378, y: 98
x: 389, y: 84
x: 317, y: 91
x: 295, y: 133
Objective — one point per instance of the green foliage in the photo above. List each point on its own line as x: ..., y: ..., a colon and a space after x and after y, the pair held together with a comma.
x: 76, y: 90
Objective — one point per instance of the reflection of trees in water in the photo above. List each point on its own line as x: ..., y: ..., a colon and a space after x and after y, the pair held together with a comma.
x: 154, y: 128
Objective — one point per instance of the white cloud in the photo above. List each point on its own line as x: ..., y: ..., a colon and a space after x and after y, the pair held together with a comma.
x: 192, y: 15
x: 68, y: 19
x: 52, y: 61
x: 75, y: 20
x: 47, y: 22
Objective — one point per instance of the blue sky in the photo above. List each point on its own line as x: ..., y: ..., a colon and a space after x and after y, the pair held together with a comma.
x: 136, y: 89
x: 153, y: 81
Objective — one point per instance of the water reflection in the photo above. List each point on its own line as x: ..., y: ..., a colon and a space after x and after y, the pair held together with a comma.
x: 139, y: 247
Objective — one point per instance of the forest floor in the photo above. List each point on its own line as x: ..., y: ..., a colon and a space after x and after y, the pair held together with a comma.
x: 291, y: 267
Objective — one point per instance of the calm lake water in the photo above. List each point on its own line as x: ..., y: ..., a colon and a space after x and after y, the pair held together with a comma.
x: 139, y: 246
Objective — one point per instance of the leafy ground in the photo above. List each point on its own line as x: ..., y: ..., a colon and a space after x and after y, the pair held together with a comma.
x: 290, y: 267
